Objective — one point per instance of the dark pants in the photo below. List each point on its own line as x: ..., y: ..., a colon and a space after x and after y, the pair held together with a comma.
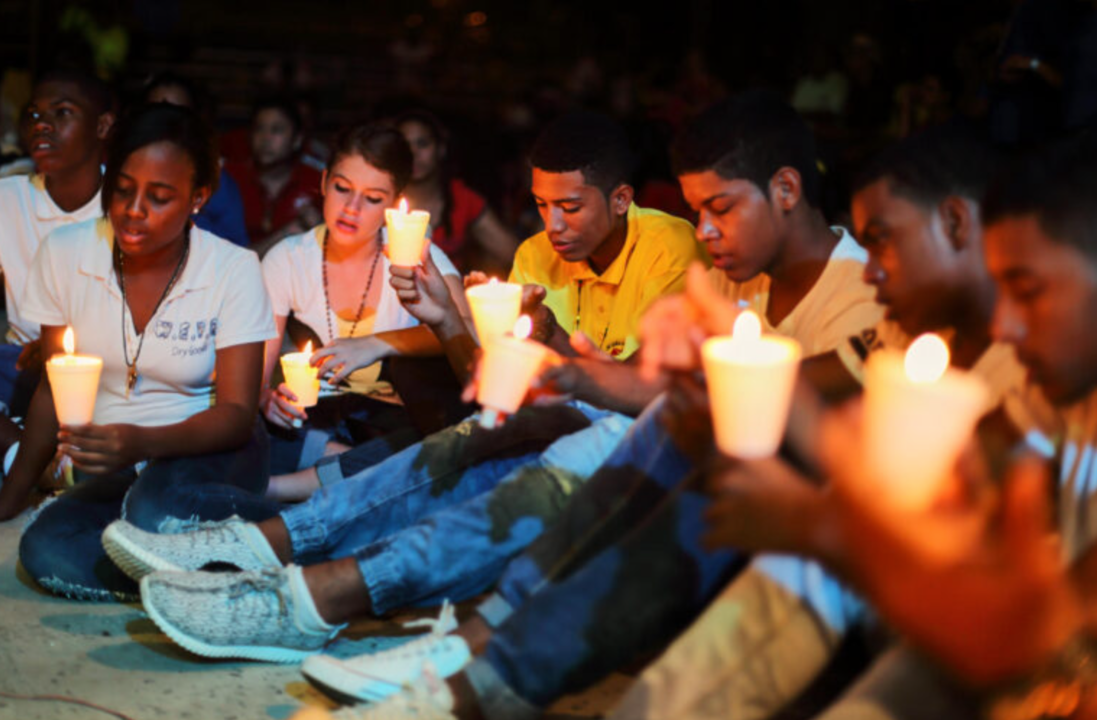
x: 61, y: 548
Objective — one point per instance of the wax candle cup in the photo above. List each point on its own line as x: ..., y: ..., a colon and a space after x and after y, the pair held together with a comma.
x: 508, y: 366
x: 407, y: 234
x: 919, y: 414
x: 301, y: 378
x: 74, y: 382
x: 495, y: 307
x: 750, y: 380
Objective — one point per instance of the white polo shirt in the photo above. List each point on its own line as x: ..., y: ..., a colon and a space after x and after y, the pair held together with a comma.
x: 217, y: 302
x: 293, y: 271
x: 838, y: 305
x: 27, y: 215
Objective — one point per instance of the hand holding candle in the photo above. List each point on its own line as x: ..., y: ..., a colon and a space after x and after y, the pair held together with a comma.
x: 74, y: 380
x: 407, y: 234
x: 301, y: 377
x: 506, y: 370
x: 495, y: 307
x: 750, y: 382
x: 919, y: 414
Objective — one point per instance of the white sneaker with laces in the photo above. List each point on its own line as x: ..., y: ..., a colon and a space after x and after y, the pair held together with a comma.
x: 230, y: 541
x: 266, y: 615
x: 428, y: 698
x: 372, y: 677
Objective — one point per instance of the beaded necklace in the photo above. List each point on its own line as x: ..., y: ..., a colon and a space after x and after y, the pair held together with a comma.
x: 365, y: 293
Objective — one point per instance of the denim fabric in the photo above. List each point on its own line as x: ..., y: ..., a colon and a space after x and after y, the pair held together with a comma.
x: 16, y: 386
x: 447, y: 468
x: 753, y: 651
x: 337, y: 468
x: 619, y: 574
x: 61, y: 548
x: 460, y: 551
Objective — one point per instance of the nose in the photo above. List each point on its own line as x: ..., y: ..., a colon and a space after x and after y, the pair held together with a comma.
x: 135, y: 208
x: 354, y: 205
x: 874, y: 272
x: 705, y: 231
x: 554, y: 222
x: 1007, y: 324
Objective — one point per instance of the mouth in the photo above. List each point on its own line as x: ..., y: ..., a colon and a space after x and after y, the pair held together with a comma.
x: 346, y: 227
x: 724, y: 262
x: 562, y: 248
x: 131, y: 236
x: 42, y: 146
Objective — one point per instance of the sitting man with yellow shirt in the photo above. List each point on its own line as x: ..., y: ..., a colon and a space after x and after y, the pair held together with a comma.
x: 441, y: 519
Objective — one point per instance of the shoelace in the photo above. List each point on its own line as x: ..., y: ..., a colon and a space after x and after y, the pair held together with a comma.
x: 263, y: 582
x: 444, y: 624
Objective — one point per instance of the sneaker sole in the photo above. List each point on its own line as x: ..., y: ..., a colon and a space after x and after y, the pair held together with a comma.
x: 244, y: 652
x: 134, y: 560
x: 346, y: 686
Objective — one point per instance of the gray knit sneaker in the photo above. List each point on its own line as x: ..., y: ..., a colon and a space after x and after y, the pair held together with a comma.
x: 230, y: 541
x: 256, y: 615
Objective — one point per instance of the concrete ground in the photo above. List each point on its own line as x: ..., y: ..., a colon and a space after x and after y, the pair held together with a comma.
x: 112, y: 655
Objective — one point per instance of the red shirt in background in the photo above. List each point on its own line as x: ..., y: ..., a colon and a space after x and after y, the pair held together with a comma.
x: 263, y: 215
x: 466, y: 205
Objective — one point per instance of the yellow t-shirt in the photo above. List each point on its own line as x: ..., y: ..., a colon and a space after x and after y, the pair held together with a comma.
x: 608, y: 307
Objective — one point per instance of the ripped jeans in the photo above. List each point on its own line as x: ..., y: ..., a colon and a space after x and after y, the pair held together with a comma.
x: 61, y: 547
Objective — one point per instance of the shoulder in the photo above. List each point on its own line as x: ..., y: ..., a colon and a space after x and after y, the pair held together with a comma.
x: 462, y: 192
x: 224, y: 257
x: 73, y: 236
x: 674, y: 235
x: 292, y: 249
x: 16, y: 187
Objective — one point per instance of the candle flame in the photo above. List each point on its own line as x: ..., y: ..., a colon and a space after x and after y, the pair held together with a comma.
x: 403, y: 206
x: 493, y: 281
x: 748, y: 328
x: 523, y: 327
x: 308, y: 348
x: 927, y: 359
x: 69, y: 341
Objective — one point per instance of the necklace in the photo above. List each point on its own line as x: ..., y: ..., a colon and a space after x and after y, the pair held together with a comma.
x: 365, y: 293
x: 131, y: 365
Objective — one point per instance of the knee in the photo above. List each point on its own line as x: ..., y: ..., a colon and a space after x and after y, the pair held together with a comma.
x: 44, y: 549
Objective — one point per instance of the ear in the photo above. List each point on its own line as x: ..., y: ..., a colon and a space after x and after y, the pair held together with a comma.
x: 324, y: 182
x: 198, y: 199
x: 958, y: 215
x: 620, y: 199
x: 104, y: 124
x: 786, y: 188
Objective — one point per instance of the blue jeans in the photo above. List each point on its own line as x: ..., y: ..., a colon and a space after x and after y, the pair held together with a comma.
x: 441, y: 518
x: 620, y: 573
x: 61, y: 548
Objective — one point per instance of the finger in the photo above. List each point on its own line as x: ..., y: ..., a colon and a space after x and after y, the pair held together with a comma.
x: 285, y: 395
x: 581, y: 343
x: 475, y: 278
x: 339, y: 372
x: 402, y: 273
x: 427, y: 261
x: 408, y: 296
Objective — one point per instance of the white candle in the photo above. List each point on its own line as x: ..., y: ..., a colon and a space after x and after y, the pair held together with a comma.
x: 506, y: 370
x: 302, y: 378
x: 495, y: 307
x: 407, y: 234
x: 919, y: 414
x: 750, y: 382
x: 74, y: 381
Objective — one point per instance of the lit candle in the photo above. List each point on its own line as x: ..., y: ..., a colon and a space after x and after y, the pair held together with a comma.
x: 919, y: 414
x: 750, y: 382
x: 407, y: 233
x: 301, y: 377
x: 495, y: 307
x: 74, y: 380
x: 506, y: 370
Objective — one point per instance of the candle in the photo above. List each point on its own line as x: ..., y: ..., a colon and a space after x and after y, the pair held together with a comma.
x: 407, y: 234
x: 495, y: 307
x: 301, y: 377
x: 750, y: 382
x: 919, y: 413
x: 506, y: 370
x: 74, y: 380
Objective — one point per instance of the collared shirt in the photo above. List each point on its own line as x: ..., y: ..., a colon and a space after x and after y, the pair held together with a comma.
x: 218, y: 301
x: 27, y: 215
x: 607, y: 307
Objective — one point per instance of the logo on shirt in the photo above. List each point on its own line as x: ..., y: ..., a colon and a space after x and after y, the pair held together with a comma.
x: 188, y: 337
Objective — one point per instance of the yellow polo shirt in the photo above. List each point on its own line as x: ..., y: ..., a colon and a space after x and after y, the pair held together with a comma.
x: 608, y: 307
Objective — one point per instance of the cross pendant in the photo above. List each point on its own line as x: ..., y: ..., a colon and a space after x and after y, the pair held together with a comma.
x: 131, y: 380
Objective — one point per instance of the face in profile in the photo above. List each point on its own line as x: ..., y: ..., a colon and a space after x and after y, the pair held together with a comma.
x: 1047, y: 300
x: 736, y: 221
x: 153, y: 198
x: 355, y: 197
x: 61, y: 129
x: 426, y: 150
x: 577, y: 216
x: 274, y: 138
x: 912, y: 263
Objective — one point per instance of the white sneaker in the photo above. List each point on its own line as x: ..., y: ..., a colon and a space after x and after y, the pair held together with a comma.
x: 373, y: 677
x: 230, y: 541
x: 251, y: 615
x: 428, y: 698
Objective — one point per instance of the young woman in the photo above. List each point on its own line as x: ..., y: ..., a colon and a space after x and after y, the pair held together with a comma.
x: 334, y: 279
x: 462, y: 224
x: 169, y: 308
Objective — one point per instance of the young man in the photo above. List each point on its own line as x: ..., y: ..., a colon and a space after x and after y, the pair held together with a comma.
x: 439, y: 519
x: 622, y: 569
x: 64, y: 127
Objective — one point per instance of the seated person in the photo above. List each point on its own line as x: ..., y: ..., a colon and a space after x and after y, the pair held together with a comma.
x: 167, y: 445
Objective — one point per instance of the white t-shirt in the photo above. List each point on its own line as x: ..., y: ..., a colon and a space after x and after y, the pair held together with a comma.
x: 27, y: 215
x: 839, y: 305
x: 217, y: 302
x: 294, y: 275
